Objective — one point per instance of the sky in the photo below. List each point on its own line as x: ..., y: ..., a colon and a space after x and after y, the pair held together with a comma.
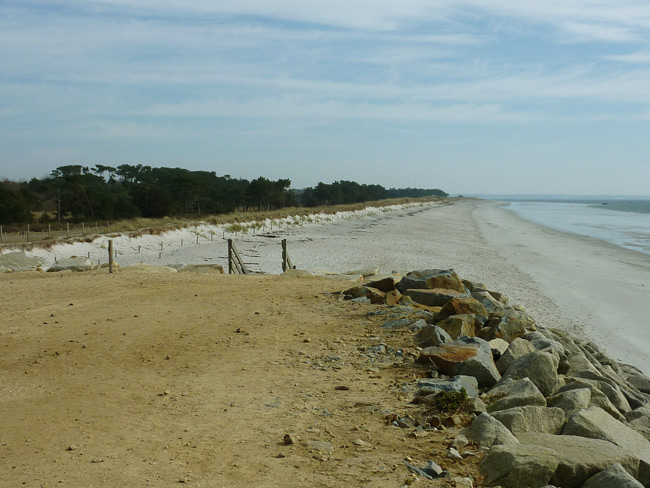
x: 470, y: 96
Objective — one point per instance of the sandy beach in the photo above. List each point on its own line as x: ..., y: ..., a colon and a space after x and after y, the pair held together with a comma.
x: 565, y: 281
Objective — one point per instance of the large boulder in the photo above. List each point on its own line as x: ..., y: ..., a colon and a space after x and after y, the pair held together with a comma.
x: 487, y: 431
x: 508, y: 325
x: 491, y: 304
x: 518, y: 466
x: 595, y: 423
x: 72, y: 264
x: 613, y: 477
x: 469, y: 356
x: 19, y: 261
x: 513, y: 393
x: 462, y: 306
x: 531, y: 418
x: 518, y: 348
x: 431, y: 335
x: 435, y: 297
x: 459, y: 325
x: 597, y: 399
x: 420, y: 279
x: 570, y: 401
x: 540, y: 367
x: 386, y: 284
x: 642, y: 426
x: 573, y: 461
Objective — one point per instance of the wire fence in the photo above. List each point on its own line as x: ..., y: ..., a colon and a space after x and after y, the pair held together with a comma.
x: 38, y: 233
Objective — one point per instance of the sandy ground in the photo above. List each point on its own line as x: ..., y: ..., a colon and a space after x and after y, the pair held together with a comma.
x: 142, y: 378
x: 145, y: 376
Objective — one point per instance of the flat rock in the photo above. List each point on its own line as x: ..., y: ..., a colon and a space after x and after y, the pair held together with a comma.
x: 386, y: 284
x: 491, y: 304
x: 417, y: 279
x: 436, y: 297
x: 508, y: 325
x: 571, y: 401
x: 518, y: 466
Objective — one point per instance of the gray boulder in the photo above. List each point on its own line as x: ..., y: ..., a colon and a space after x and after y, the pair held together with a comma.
x: 518, y: 348
x: 487, y: 431
x: 72, y: 264
x: 640, y: 382
x: 19, y: 261
x: 435, y: 297
x: 418, y: 280
x: 490, y: 303
x: 570, y: 401
x: 507, y: 325
x: 580, y: 458
x: 532, y: 419
x: 459, y: 325
x: 598, y: 398
x: 642, y: 426
x: 431, y: 335
x: 613, y: 477
x: 595, y: 423
x: 518, y: 466
x: 513, y: 393
x: 540, y: 367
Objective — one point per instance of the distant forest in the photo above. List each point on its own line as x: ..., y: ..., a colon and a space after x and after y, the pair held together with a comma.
x: 76, y: 193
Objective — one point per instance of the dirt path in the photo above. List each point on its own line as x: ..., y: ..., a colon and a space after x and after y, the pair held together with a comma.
x: 152, y: 379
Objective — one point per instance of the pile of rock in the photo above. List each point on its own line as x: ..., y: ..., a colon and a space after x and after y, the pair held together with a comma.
x: 551, y: 409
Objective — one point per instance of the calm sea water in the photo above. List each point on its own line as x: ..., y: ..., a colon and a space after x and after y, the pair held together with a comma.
x: 625, y: 223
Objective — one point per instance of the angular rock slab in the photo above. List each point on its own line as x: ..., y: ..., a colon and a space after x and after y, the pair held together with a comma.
x: 517, y: 466
x: 577, y: 458
x: 508, y: 325
x: 613, y: 477
x: 518, y: 348
x: 432, y: 335
x: 433, y: 297
x: 469, y: 356
x: 418, y: 279
x: 530, y: 418
x: 571, y: 401
x: 459, y: 325
x: 462, y: 306
x: 513, y: 393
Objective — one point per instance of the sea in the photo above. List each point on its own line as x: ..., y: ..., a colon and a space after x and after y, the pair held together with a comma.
x: 623, y: 221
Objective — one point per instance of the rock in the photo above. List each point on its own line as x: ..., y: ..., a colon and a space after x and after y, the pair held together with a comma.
x: 454, y: 454
x: 430, y: 472
x: 384, y: 284
x: 436, y: 297
x: 487, y: 431
x: 571, y: 401
x: 417, y: 279
x: 642, y: 426
x: 475, y: 405
x: 540, y: 367
x: 474, y: 286
x: 598, y: 398
x: 518, y: 348
x: 508, y: 325
x: 320, y: 446
x: 608, y: 387
x: 429, y: 386
x: 201, y: 268
x: 513, y: 393
x: 463, y: 306
x: 542, y: 459
x: 431, y: 335
x: 595, y: 423
x: 376, y: 297
x: 613, y: 477
x: 459, y: 441
x: 459, y: 326
x: 19, y: 261
x: 517, y: 466
x: 469, y: 356
x: 395, y: 324
x: 462, y: 482
x: 361, y: 300
x: 447, y: 279
x: 531, y: 419
x: 393, y: 297
x: 364, y: 272
x: 356, y: 291
x: 491, y: 304
x: 72, y: 264
x: 500, y: 346
x: 640, y: 382
x: 289, y: 439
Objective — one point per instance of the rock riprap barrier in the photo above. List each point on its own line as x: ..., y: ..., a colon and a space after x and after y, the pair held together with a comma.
x: 547, y: 409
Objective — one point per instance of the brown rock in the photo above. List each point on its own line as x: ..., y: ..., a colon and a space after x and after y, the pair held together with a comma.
x: 461, y: 306
x: 460, y: 325
x: 435, y: 297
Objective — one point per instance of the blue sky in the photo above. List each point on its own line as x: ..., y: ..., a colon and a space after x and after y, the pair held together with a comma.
x: 471, y: 96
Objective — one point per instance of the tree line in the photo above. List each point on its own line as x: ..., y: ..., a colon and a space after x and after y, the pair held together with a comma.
x: 77, y: 193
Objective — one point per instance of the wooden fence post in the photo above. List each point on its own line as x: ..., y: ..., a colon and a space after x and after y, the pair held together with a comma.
x: 83, y: 228
x: 235, y: 262
x: 2, y: 239
x: 286, y: 260
x: 27, y: 233
x: 110, y: 255
x: 67, y: 226
x: 49, y: 230
x: 229, y: 256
